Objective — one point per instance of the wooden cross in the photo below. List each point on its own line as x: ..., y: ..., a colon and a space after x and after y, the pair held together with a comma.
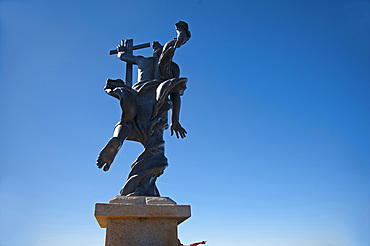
x: 128, y: 47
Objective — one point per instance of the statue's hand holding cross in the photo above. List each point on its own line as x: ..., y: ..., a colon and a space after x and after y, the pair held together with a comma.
x: 128, y: 47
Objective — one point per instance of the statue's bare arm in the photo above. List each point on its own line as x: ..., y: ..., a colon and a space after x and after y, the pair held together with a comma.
x: 175, y: 113
x: 195, y: 244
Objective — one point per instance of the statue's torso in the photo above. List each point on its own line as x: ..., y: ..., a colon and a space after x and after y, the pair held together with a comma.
x: 147, y: 69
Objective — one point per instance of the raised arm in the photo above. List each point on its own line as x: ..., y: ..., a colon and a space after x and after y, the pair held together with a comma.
x: 124, y: 56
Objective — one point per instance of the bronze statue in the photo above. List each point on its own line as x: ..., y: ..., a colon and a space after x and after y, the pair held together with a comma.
x: 144, y: 110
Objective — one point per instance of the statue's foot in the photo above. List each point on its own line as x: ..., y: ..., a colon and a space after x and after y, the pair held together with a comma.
x: 108, y: 153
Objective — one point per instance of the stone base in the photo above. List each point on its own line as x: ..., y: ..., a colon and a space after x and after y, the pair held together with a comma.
x: 141, y: 221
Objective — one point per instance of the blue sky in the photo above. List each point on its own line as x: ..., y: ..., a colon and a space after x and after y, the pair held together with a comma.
x: 277, y: 114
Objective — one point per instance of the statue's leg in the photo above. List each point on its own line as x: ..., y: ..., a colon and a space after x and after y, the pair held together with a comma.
x: 122, y: 129
x: 109, y: 152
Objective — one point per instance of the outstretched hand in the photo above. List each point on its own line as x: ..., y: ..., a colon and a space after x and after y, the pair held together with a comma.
x: 178, y: 129
x: 195, y: 244
x: 119, y: 48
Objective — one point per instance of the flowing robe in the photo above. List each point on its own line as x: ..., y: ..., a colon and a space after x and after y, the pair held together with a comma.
x: 145, y: 109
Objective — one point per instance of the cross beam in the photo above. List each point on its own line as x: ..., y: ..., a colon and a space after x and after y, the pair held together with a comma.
x: 128, y: 47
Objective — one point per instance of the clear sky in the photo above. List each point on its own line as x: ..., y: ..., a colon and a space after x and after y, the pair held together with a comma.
x: 276, y: 110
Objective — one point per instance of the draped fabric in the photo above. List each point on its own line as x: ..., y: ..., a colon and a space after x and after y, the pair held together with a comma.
x: 145, y: 108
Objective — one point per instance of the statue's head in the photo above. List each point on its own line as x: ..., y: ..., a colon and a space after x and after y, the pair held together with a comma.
x: 157, y: 48
x: 114, y: 83
x: 183, y: 33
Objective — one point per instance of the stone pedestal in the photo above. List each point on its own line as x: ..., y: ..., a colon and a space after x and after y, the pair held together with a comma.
x: 141, y: 221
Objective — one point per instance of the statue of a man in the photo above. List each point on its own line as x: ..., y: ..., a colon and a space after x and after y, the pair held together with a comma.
x: 144, y: 114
